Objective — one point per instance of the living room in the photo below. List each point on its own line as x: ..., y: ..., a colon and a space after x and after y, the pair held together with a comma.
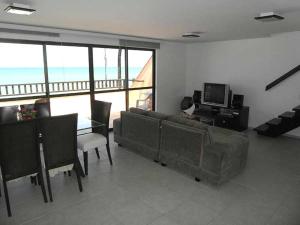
x: 155, y: 167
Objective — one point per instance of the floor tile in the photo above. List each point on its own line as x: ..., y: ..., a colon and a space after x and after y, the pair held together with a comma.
x: 136, y: 213
x: 191, y: 213
x: 135, y: 190
x: 163, y: 220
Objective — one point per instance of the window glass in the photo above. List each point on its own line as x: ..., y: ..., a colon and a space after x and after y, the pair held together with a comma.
x: 68, y: 69
x: 140, y: 68
x: 118, y: 103
x: 141, y: 99
x: 21, y: 70
x: 71, y: 104
x: 109, y: 68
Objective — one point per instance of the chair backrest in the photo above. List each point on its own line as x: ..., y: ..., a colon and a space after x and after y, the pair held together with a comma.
x: 42, y: 109
x: 8, y: 114
x: 19, y: 149
x: 59, y: 137
x: 101, y: 113
x: 27, y: 107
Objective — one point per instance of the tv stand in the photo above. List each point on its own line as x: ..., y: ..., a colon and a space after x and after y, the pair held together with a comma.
x: 230, y: 118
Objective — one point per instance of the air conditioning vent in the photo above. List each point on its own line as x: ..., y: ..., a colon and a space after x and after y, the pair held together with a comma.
x: 28, y: 32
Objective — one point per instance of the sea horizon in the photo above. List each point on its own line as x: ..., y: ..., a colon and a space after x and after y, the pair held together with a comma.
x: 23, y: 75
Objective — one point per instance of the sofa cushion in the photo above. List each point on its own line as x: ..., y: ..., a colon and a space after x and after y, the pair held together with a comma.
x: 181, y: 142
x: 156, y: 115
x: 141, y: 129
x: 138, y: 111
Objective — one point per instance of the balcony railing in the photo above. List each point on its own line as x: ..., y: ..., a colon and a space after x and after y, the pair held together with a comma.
x: 9, y: 90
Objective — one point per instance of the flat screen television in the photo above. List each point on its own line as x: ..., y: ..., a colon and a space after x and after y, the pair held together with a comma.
x: 215, y: 94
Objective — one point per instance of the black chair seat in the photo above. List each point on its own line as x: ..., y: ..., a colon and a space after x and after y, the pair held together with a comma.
x: 100, y: 113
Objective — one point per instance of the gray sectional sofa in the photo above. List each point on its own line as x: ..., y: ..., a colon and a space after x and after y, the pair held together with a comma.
x: 201, y: 151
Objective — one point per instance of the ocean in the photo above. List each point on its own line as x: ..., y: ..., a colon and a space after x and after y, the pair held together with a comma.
x: 58, y: 74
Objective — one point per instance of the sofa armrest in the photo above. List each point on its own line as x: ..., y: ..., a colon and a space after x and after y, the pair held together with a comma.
x: 219, y: 156
x: 117, y: 127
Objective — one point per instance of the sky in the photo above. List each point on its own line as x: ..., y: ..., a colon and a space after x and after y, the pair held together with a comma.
x: 28, y: 55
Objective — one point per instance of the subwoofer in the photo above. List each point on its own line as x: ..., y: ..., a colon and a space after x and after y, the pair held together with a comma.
x: 186, y: 103
x: 237, y: 101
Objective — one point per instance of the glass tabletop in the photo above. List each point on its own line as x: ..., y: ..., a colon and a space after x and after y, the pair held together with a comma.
x: 85, y: 123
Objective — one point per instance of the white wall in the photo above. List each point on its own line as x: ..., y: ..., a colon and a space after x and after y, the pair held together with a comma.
x: 170, y: 77
x: 248, y: 66
x: 170, y: 67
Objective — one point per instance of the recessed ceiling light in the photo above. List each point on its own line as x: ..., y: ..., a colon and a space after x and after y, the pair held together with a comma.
x: 269, y: 17
x: 191, y: 35
x: 19, y: 9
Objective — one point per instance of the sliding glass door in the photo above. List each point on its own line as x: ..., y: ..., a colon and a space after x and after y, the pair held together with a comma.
x: 68, y: 74
x: 110, y: 78
x: 140, y: 79
x: 124, y: 77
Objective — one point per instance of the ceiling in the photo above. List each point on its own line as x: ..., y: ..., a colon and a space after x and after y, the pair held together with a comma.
x: 162, y: 19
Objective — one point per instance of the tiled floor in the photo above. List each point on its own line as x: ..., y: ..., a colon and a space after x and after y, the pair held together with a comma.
x: 136, y: 191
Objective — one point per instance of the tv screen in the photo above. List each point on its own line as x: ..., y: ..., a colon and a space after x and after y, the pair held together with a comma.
x: 216, y: 94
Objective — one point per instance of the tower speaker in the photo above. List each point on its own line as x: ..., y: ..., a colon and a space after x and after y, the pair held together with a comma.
x: 237, y: 101
x: 197, y: 97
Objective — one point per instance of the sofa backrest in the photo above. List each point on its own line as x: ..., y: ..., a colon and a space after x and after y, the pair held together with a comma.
x: 208, y: 139
x: 153, y: 114
x: 187, y: 122
x: 182, y: 141
x: 138, y: 111
x: 140, y: 128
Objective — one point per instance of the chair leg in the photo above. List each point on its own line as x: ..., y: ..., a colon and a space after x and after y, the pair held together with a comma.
x: 85, y: 159
x: 33, y: 180
x: 78, y: 178
x: 108, y: 151
x: 38, y: 179
x: 49, y: 185
x: 81, y: 172
x: 43, y: 186
x: 6, y: 199
x: 97, y: 153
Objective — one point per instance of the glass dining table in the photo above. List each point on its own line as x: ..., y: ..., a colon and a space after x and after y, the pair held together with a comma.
x: 85, y: 125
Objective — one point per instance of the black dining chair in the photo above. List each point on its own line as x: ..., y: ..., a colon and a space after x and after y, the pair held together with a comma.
x: 8, y: 114
x: 42, y: 109
x: 27, y: 107
x: 59, y: 138
x: 20, y: 154
x: 99, y: 135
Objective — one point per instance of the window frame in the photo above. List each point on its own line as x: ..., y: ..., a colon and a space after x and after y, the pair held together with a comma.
x: 92, y: 91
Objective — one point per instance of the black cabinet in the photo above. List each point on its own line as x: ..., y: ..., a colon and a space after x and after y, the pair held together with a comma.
x: 234, y: 119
